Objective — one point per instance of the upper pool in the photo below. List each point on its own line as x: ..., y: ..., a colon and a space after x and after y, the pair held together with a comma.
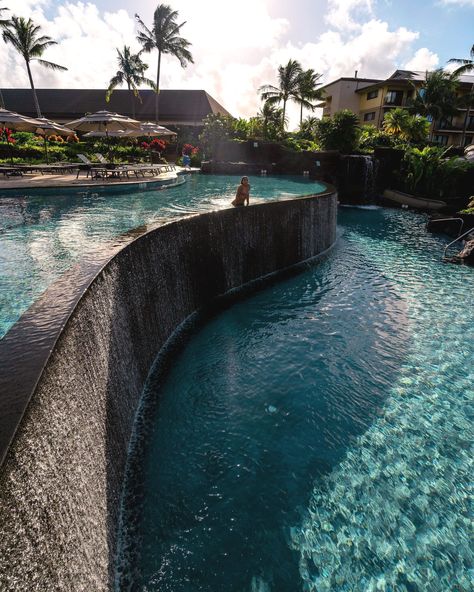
x: 42, y: 236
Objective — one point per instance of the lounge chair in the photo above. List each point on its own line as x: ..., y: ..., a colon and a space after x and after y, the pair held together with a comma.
x: 91, y: 169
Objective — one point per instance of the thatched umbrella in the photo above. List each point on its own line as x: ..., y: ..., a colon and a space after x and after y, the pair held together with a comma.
x: 18, y: 122
x: 47, y: 128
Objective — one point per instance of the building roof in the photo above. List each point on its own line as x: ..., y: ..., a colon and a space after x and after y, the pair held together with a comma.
x: 410, y: 76
x: 353, y: 78
x: 185, y: 107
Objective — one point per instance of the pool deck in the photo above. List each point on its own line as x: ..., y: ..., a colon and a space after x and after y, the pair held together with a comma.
x: 52, y: 181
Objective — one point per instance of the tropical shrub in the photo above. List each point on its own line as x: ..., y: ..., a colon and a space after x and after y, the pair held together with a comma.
x: 429, y: 173
x: 307, y: 129
x: 372, y: 137
x: 470, y: 207
x: 341, y: 132
x: 405, y: 127
x: 216, y: 128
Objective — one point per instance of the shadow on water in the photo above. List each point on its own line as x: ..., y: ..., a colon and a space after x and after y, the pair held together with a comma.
x: 246, y: 408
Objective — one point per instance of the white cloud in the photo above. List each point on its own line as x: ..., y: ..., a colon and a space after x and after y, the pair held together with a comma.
x: 234, y: 53
x: 340, y: 13
x: 424, y: 59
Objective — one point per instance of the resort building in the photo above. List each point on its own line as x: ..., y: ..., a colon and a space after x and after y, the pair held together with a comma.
x: 177, y: 107
x: 370, y: 99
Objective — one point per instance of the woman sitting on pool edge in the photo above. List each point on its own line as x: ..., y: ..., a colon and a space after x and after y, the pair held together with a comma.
x: 243, y: 193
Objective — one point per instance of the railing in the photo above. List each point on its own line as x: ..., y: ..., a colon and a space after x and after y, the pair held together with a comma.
x: 456, y: 240
x: 450, y: 220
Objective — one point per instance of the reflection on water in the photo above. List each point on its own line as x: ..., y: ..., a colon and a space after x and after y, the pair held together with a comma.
x: 41, y: 237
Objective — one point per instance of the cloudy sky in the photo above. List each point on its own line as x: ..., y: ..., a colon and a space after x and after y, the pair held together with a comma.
x: 237, y: 46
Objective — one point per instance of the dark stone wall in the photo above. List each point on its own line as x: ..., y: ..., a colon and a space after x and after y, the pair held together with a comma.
x: 61, y: 482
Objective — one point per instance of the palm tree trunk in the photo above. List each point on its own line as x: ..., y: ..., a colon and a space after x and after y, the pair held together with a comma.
x: 132, y: 98
x: 35, y: 98
x: 466, y: 120
x: 157, y: 97
x: 283, y: 115
x: 301, y: 114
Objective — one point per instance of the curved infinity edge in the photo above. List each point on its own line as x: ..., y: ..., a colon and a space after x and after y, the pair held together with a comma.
x: 72, y: 371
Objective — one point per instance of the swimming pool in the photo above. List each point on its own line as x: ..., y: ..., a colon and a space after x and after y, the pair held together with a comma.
x: 318, y: 435
x: 42, y: 236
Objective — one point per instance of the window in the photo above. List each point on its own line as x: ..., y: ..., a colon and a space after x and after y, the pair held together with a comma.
x: 468, y: 140
x: 394, y: 97
x: 470, y: 122
x: 446, y: 123
x: 373, y: 94
x: 369, y: 116
x: 441, y: 140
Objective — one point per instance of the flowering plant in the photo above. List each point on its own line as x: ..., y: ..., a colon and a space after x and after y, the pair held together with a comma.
x: 156, y: 145
x: 8, y: 134
x: 190, y: 150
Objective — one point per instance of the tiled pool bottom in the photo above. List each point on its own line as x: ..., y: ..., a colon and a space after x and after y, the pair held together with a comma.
x: 318, y: 436
x: 41, y: 236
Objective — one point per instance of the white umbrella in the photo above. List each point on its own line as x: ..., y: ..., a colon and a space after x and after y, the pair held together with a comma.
x: 145, y: 129
x: 104, y: 121
x: 16, y: 121
x: 117, y: 134
x: 149, y: 128
x: 47, y: 128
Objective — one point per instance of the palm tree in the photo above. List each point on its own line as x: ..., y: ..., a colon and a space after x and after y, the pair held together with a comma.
x: 131, y: 72
x: 436, y: 98
x: 288, y: 86
x: 307, y: 129
x: 396, y: 122
x: 271, y: 117
x: 164, y: 37
x: 465, y: 66
x: 308, y: 91
x: 2, y: 22
x: 25, y: 37
x: 400, y: 124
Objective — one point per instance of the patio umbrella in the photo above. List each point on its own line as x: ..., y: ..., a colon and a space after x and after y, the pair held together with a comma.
x: 18, y: 122
x: 47, y: 128
x: 149, y: 129
x: 104, y: 121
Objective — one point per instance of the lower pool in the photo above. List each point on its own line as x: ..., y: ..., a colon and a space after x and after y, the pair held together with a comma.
x: 318, y: 435
x: 42, y: 236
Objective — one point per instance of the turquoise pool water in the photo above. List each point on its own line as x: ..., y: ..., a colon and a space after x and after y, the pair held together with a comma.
x: 318, y: 435
x: 42, y: 236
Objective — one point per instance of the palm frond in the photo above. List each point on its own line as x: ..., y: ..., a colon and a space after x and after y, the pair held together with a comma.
x: 51, y: 65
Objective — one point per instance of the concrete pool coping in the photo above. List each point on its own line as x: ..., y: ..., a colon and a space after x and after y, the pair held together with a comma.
x: 32, y: 183
x: 22, y: 365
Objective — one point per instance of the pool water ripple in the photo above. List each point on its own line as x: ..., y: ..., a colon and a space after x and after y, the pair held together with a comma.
x: 397, y: 513
x: 318, y: 435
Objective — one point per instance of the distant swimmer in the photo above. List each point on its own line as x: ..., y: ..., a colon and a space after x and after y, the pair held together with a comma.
x: 243, y: 193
